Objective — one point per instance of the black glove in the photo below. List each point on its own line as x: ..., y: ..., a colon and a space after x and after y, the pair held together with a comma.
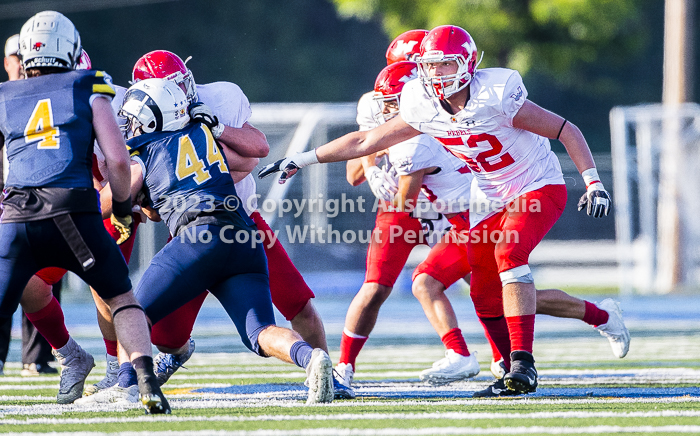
x: 596, y: 200
x: 289, y: 165
x: 202, y: 113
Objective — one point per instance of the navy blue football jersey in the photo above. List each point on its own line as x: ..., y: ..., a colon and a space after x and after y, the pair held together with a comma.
x: 47, y: 125
x: 186, y: 178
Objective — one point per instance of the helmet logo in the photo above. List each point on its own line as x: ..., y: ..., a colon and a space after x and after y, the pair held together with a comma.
x: 405, y: 47
x: 38, y: 46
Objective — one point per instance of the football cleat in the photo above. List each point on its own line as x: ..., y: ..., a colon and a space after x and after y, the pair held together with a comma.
x: 76, y: 364
x: 319, y: 373
x: 498, y: 368
x: 112, y: 395
x: 496, y: 389
x: 615, y: 329
x: 342, y: 381
x: 152, y: 398
x: 108, y: 381
x: 522, y: 377
x: 165, y: 364
x: 453, y: 367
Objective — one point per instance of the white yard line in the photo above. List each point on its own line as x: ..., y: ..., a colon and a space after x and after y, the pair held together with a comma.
x: 403, y: 432
x: 229, y: 401
x: 358, y: 417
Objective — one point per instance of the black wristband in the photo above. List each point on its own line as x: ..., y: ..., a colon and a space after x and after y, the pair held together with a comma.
x: 121, y: 208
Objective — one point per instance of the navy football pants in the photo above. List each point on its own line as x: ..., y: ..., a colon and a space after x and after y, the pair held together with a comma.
x: 235, y: 273
x: 27, y: 247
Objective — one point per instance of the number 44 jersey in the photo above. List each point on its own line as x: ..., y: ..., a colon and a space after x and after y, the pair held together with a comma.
x: 186, y: 178
x: 506, y: 161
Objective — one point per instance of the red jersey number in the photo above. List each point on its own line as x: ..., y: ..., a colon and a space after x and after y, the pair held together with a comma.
x: 496, y: 148
x: 480, y: 163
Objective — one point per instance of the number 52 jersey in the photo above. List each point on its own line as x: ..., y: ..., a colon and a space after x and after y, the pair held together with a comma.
x: 506, y: 161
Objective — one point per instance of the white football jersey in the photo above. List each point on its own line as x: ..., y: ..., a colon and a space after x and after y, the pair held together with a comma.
x: 230, y: 105
x: 506, y: 161
x: 448, y: 188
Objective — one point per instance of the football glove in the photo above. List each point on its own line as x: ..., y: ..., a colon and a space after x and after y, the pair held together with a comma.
x: 122, y: 220
x: 202, y: 113
x: 383, y: 186
x: 289, y: 165
x: 596, y: 200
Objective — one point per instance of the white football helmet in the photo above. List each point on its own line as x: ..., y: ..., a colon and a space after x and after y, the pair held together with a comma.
x: 154, y: 105
x: 49, y: 39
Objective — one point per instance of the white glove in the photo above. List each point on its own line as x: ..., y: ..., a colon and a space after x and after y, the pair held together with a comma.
x: 289, y: 165
x: 382, y: 185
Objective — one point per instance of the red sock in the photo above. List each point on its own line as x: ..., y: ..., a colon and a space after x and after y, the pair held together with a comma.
x: 350, y: 347
x: 595, y: 316
x: 496, y: 330
x: 50, y: 323
x: 454, y: 341
x: 111, y: 347
x: 522, y: 332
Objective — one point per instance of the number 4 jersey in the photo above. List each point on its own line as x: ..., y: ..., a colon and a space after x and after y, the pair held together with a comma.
x: 47, y: 125
x: 506, y: 161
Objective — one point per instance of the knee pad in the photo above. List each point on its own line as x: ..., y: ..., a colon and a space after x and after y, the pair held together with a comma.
x: 519, y: 274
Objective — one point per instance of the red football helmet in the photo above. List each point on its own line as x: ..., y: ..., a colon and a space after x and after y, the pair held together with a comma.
x: 389, y: 84
x: 162, y: 64
x: 405, y: 47
x: 444, y: 44
x: 84, y: 62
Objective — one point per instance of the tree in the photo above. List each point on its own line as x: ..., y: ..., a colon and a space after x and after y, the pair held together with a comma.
x: 555, y: 37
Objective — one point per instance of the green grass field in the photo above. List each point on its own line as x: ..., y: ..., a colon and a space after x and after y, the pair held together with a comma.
x: 583, y: 390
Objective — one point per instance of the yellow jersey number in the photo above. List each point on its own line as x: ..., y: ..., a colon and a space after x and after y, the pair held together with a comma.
x: 189, y: 164
x: 40, y: 127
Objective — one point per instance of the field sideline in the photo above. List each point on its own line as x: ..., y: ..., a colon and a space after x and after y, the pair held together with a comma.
x: 583, y: 390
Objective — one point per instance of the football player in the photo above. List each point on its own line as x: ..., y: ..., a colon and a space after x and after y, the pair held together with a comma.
x: 243, y: 145
x: 415, y: 164
x: 51, y: 214
x: 172, y: 166
x: 484, y: 118
x: 384, y: 261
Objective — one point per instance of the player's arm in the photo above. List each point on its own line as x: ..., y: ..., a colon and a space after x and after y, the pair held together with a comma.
x: 349, y: 146
x: 111, y: 142
x: 239, y: 167
x: 409, y: 188
x: 358, y: 144
x: 536, y: 119
x: 533, y: 118
x: 355, y: 172
x: 135, y: 189
x: 247, y: 141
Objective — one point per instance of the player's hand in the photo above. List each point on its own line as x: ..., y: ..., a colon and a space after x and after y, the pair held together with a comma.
x: 596, y: 200
x: 124, y: 225
x: 202, y: 113
x: 382, y: 184
x: 289, y: 165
